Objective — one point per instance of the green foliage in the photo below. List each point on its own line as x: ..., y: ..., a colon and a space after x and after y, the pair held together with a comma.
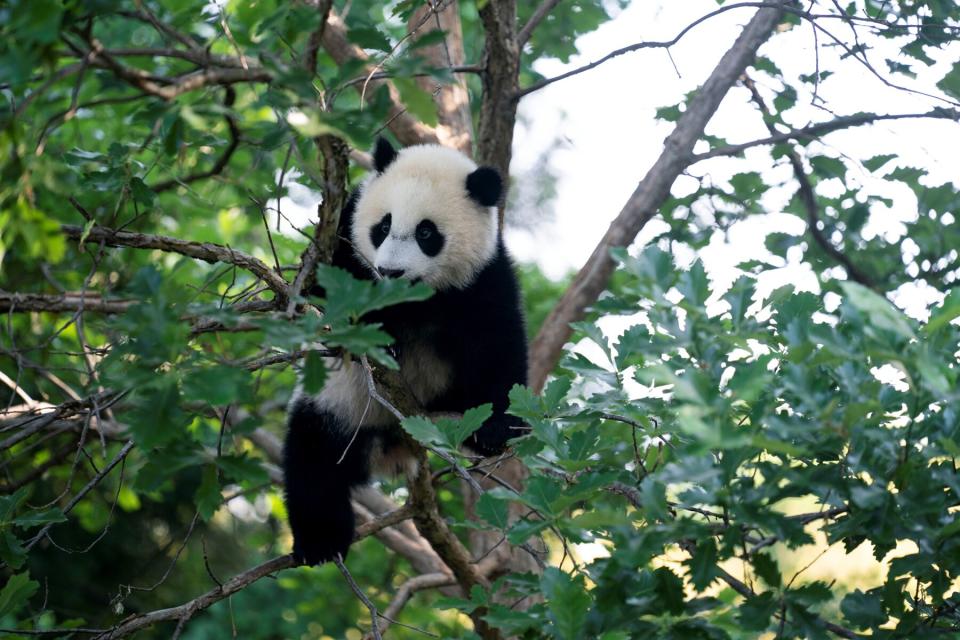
x: 687, y: 466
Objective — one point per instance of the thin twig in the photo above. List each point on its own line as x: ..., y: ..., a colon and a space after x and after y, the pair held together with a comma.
x: 375, y: 629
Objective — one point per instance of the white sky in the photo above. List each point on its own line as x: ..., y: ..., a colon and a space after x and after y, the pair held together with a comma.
x: 609, y: 137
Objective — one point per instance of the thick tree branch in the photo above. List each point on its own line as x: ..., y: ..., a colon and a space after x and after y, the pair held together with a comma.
x: 334, y: 156
x: 501, y: 69
x: 206, y: 251
x: 809, y: 199
x: 648, y: 196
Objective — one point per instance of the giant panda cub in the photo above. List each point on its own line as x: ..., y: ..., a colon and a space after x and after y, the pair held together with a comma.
x: 427, y: 214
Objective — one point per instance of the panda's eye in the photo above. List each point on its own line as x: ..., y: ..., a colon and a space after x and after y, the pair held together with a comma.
x: 380, y: 231
x: 424, y: 232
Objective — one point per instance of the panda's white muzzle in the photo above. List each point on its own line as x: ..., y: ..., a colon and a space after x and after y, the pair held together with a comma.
x: 401, y: 256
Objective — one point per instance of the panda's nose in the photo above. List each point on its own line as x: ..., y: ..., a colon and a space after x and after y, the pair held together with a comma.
x: 391, y: 273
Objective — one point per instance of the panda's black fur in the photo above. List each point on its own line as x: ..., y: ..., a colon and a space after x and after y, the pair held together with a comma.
x: 477, y: 331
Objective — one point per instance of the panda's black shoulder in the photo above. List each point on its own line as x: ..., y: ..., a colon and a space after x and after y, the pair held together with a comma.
x: 491, y: 303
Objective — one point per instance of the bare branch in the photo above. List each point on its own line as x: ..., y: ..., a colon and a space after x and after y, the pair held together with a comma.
x: 117, y: 459
x: 32, y: 422
x: 12, y: 301
x: 170, y: 89
x: 206, y: 251
x: 374, y: 626
x: 648, y: 196
x: 199, y: 57
x: 663, y: 44
x: 189, y: 609
x: 407, y: 590
x: 822, y: 128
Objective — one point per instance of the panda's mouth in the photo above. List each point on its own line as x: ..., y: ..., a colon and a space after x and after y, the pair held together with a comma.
x: 416, y: 280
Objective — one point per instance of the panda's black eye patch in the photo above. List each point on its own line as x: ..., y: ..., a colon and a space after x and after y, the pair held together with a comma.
x: 429, y: 238
x: 380, y: 231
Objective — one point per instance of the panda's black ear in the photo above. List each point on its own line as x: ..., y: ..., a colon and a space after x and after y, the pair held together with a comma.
x: 383, y: 154
x: 485, y: 186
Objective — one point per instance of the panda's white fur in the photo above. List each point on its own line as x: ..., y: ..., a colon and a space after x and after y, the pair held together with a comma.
x: 426, y: 181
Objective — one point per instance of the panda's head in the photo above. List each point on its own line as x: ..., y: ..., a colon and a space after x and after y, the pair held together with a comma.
x: 428, y: 214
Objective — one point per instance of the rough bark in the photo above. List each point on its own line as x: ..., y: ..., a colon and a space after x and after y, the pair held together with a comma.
x: 501, y: 68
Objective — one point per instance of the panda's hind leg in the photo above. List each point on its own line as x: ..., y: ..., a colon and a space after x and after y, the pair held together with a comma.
x: 321, y: 466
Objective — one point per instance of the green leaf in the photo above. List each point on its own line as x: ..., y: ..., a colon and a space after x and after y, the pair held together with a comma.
x: 541, y: 492
x: 16, y: 592
x: 766, y: 567
x: 217, y: 386
x: 142, y: 194
x: 419, y: 102
x: 876, y: 162
x: 368, y: 38
x: 946, y: 313
x: 756, y: 611
x: 554, y: 394
x: 348, y: 298
x: 493, y: 510
x: 242, y: 468
x: 703, y: 564
x: 208, y: 497
x: 9, y: 505
x: 863, y: 610
x: 876, y: 309
x: 827, y: 167
x: 669, y: 588
x: 456, y: 431
x: 567, y: 601
x: 11, y: 549
x: 423, y: 430
x: 39, y: 518
x: 694, y: 284
x: 524, y: 403
x: 156, y: 418
x: 950, y: 83
x: 314, y: 373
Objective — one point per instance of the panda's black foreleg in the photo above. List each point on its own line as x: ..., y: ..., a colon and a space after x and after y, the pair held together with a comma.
x: 321, y: 466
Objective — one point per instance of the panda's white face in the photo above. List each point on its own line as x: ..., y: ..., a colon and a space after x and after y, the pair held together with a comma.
x: 417, y: 220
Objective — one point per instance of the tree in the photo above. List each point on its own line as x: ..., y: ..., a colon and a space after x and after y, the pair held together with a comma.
x: 707, y: 454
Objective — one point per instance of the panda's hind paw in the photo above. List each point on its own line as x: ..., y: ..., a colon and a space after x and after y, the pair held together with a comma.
x: 318, y: 550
